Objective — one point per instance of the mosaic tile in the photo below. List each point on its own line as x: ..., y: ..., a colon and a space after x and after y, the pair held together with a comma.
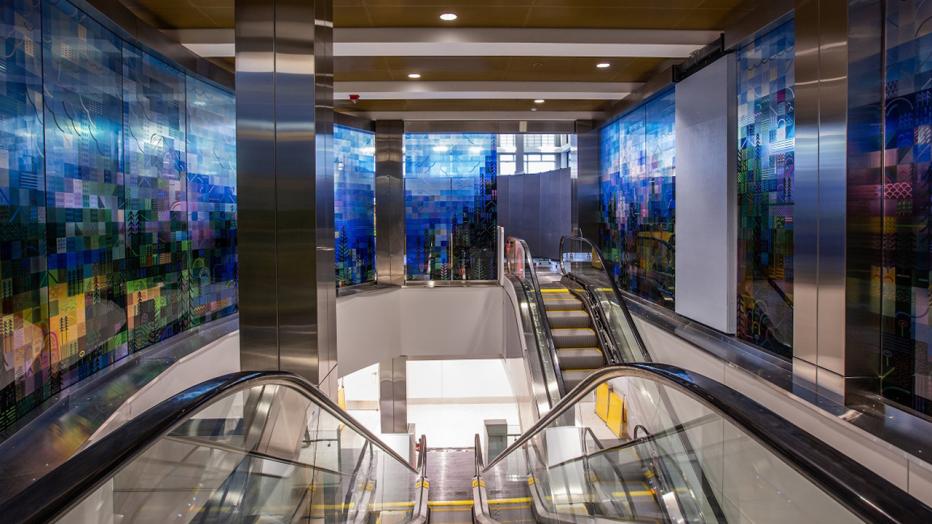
x: 24, y: 372
x: 354, y: 205
x: 450, y: 206
x: 83, y: 66
x: 211, y: 200
x: 638, y: 198
x: 157, y: 245
x: 766, y: 145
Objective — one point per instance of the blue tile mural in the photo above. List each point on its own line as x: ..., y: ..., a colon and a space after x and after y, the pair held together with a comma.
x: 904, y: 280
x: 766, y: 144
x: 110, y: 242
x: 211, y: 200
x: 450, y: 206
x: 83, y: 69
x: 638, y: 159
x: 354, y: 205
x: 24, y: 372
x: 157, y: 243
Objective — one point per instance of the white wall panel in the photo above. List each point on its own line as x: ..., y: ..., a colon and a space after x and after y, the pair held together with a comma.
x: 706, y: 245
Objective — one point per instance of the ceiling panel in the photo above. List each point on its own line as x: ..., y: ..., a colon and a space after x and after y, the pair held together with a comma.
x: 647, y: 14
x: 513, y: 69
x: 470, y: 105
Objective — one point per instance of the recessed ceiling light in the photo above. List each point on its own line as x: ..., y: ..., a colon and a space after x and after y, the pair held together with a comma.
x: 539, y: 101
x: 414, y: 76
x: 603, y: 65
x: 448, y: 17
x: 533, y: 109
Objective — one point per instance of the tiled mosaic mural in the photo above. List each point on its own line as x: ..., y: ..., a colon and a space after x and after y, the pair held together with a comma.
x: 904, y: 278
x: 637, y: 198
x: 450, y: 206
x: 766, y: 131
x: 95, y: 252
x: 158, y: 248
x: 354, y: 205
x: 211, y: 200
x: 24, y: 373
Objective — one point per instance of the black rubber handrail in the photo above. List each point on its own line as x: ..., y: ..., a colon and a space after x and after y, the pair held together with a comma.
x: 67, y: 485
x: 618, y: 297
x: 863, y: 492
x: 542, y: 314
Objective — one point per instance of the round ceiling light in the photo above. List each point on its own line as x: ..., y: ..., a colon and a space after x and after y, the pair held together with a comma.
x: 603, y: 65
x: 414, y: 76
x: 448, y: 17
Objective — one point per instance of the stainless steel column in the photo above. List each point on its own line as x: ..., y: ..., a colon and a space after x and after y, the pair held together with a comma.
x: 393, y: 395
x: 284, y: 79
x: 821, y: 188
x: 389, y: 202
x: 586, y: 215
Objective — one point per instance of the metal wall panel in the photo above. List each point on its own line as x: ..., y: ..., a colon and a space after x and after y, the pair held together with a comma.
x: 806, y: 184
x: 285, y: 159
x: 833, y: 112
x: 586, y: 185
x: 255, y: 161
x: 390, y: 202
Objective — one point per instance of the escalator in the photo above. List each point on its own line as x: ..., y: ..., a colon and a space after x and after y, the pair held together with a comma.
x: 579, y: 350
x: 617, y: 439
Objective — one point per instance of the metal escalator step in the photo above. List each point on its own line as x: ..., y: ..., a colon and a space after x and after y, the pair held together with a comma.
x: 572, y: 377
x: 581, y: 358
x: 570, y: 318
x: 574, y: 338
x: 560, y: 302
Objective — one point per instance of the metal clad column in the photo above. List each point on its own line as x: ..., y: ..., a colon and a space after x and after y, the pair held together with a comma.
x: 833, y: 119
x: 390, y: 202
x: 393, y: 395
x: 821, y: 191
x: 806, y: 185
x: 586, y: 214
x: 285, y: 174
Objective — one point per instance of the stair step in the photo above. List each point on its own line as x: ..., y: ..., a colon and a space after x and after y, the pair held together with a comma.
x: 572, y: 377
x: 569, y: 318
x: 574, y: 338
x: 580, y: 358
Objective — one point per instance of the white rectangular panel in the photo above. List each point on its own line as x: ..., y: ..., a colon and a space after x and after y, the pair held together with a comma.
x: 706, y: 210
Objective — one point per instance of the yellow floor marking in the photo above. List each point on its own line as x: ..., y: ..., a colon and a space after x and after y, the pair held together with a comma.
x: 518, y: 500
x: 555, y: 290
x: 436, y: 503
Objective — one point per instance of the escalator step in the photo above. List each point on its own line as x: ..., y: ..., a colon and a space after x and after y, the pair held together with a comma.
x: 569, y: 319
x: 572, y: 377
x: 574, y: 338
x: 580, y: 358
x: 562, y: 304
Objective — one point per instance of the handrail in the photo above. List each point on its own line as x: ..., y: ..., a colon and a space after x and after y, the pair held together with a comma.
x: 66, y: 485
x: 852, y: 485
x: 618, y: 296
x: 477, y: 445
x: 554, y: 356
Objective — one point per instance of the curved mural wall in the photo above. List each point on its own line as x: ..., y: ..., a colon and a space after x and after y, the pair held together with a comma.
x: 117, y: 199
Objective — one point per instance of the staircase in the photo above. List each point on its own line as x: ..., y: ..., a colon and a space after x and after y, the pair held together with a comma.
x: 575, y: 339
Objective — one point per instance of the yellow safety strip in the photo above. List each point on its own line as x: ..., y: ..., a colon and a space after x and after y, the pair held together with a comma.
x: 478, y: 483
x: 446, y: 503
x: 518, y: 500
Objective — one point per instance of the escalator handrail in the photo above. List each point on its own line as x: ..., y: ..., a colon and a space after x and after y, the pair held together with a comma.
x: 618, y: 296
x: 551, y: 348
x: 67, y: 485
x: 860, y: 490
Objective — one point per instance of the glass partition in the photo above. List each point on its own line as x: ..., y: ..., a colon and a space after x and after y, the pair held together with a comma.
x: 268, y: 452
x: 634, y: 449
